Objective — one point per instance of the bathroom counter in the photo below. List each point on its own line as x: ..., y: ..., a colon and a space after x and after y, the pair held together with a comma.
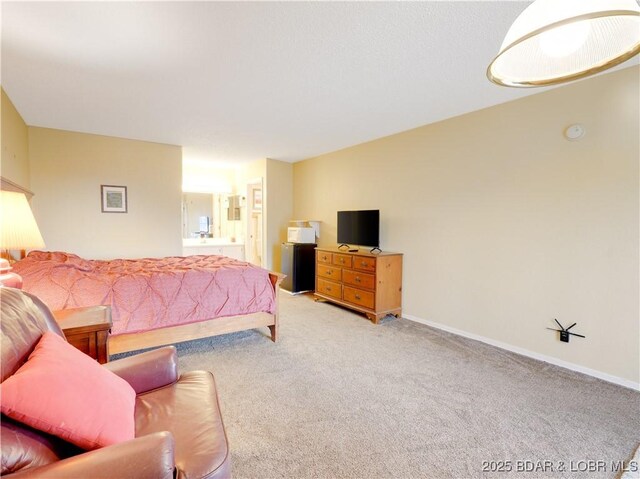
x: 217, y: 246
x: 210, y: 242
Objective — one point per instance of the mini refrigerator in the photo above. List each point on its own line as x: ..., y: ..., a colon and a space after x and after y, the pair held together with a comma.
x: 298, y: 262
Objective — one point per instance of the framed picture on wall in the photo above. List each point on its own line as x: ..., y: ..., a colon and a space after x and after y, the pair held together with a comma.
x: 257, y: 199
x: 114, y: 199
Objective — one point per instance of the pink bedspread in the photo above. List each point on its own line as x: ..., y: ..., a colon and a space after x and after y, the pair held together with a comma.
x: 149, y: 293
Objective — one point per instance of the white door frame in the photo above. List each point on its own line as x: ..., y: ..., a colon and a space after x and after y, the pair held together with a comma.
x: 252, y: 212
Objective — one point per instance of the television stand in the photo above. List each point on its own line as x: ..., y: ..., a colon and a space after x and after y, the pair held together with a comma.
x: 362, y: 281
x: 344, y: 245
x: 372, y: 250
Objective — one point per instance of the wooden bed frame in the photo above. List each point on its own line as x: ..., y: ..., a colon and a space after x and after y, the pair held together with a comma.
x: 203, y: 329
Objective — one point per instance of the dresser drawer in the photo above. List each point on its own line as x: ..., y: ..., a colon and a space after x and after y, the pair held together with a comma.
x: 359, y: 297
x: 329, y: 288
x: 323, y: 257
x: 342, y: 260
x: 358, y: 279
x: 330, y: 272
x: 364, y: 263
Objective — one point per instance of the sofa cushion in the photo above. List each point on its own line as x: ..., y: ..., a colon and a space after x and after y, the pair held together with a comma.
x: 63, y: 392
x: 24, y: 319
x: 24, y: 447
x: 189, y: 410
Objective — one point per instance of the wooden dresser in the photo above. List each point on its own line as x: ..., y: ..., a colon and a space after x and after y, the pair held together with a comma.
x: 367, y: 282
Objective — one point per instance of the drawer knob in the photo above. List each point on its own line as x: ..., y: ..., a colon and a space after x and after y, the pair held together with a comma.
x: 358, y: 280
x: 342, y: 260
x: 329, y: 272
x: 328, y: 288
x: 358, y: 296
x: 363, y: 263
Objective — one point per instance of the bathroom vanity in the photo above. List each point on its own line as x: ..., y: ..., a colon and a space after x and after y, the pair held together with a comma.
x: 217, y: 246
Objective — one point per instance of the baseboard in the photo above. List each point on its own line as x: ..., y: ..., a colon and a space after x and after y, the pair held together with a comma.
x: 524, y: 352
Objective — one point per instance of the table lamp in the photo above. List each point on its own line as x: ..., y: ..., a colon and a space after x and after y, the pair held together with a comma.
x: 18, y: 230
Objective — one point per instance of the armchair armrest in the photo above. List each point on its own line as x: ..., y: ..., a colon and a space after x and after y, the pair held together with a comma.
x: 148, y: 370
x: 146, y: 457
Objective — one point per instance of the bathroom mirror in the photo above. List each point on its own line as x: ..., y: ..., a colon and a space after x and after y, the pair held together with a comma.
x: 219, y: 214
x: 195, y: 208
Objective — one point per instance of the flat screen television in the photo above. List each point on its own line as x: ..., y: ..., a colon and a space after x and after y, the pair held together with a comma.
x: 360, y: 228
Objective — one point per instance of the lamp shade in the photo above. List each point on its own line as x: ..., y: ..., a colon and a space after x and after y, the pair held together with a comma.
x: 555, y: 41
x: 18, y: 228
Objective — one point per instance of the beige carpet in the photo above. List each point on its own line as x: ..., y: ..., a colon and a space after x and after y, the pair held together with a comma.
x: 338, y: 397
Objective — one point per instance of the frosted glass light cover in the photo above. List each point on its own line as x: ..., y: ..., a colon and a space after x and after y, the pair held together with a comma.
x: 555, y: 41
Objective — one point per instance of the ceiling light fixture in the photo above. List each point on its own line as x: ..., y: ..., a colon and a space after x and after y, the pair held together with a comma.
x: 556, y: 41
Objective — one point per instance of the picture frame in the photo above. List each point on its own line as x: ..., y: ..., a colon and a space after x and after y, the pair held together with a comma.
x: 257, y: 200
x: 114, y: 198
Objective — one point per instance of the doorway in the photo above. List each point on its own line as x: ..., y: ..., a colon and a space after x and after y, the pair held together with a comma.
x: 254, y: 241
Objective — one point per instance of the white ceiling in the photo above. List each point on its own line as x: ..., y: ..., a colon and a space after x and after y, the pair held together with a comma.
x: 238, y: 81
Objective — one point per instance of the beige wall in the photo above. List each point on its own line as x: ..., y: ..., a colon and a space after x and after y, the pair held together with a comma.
x: 506, y: 225
x: 279, y: 201
x: 15, y: 145
x: 203, y: 177
x: 67, y: 169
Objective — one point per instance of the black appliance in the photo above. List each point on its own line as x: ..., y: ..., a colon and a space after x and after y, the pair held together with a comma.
x: 298, y: 262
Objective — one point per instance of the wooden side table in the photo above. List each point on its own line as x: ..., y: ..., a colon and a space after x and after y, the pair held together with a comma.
x: 87, y: 329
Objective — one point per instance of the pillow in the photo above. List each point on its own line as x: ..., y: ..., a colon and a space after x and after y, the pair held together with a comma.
x: 60, y: 259
x: 62, y: 391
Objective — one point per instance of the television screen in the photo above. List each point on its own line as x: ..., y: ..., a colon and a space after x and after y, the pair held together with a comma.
x: 359, y: 227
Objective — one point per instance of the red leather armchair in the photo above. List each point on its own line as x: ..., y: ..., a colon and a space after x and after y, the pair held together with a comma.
x: 179, y: 429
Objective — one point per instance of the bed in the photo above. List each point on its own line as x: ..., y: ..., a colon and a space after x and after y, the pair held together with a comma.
x: 157, y: 301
